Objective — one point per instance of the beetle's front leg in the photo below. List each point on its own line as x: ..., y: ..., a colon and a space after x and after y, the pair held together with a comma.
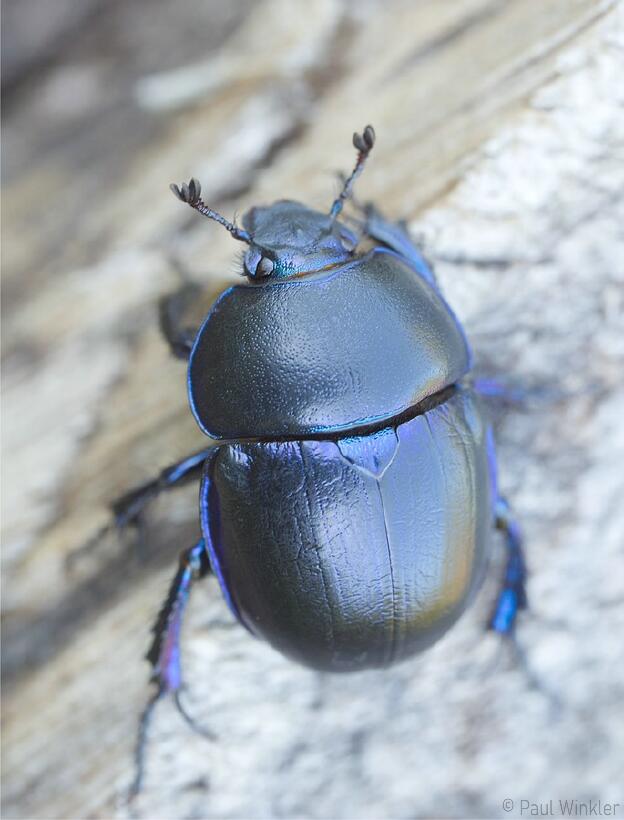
x: 178, y: 335
x: 164, y: 652
x: 512, y: 597
x: 395, y: 237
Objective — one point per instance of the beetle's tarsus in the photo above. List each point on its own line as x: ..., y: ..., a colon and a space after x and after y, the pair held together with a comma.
x: 164, y: 652
x: 145, y: 720
x: 190, y: 721
x: 120, y: 522
x: 89, y: 546
x: 510, y: 645
x: 141, y: 743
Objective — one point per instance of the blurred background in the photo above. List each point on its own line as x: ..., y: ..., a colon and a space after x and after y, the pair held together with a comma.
x: 501, y: 140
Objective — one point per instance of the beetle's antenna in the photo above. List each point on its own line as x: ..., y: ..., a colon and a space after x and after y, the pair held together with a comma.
x: 191, y: 195
x: 363, y: 143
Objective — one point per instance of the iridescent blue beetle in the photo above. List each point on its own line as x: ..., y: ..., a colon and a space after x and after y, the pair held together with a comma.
x: 347, y: 506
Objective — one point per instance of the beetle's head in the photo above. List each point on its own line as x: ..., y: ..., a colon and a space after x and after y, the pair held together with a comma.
x: 287, y: 239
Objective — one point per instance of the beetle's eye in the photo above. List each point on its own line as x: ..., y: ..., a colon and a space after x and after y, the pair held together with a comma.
x: 264, y: 267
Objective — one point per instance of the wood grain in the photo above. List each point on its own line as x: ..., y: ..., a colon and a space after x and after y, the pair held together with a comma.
x: 500, y: 139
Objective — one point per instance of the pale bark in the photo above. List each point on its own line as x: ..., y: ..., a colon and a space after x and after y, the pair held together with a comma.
x: 501, y: 140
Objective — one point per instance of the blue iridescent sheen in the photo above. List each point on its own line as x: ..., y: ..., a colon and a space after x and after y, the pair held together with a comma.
x: 355, y: 553
x: 394, y: 236
x: 324, y: 353
x: 164, y: 653
x: 513, y: 596
x: 291, y: 360
x: 296, y: 239
x: 505, y: 613
x: 347, y: 504
x: 210, y: 516
x: 493, y: 467
x: 180, y: 470
x: 497, y: 389
x: 348, y: 498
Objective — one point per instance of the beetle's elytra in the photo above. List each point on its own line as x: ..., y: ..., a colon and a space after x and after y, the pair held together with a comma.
x: 347, y: 505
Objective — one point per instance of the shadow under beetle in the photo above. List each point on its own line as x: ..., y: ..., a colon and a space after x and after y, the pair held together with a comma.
x: 347, y: 506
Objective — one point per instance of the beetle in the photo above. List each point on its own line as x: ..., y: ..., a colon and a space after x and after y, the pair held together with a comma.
x: 350, y: 489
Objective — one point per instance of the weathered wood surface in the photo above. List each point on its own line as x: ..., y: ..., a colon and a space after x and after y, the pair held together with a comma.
x: 501, y: 138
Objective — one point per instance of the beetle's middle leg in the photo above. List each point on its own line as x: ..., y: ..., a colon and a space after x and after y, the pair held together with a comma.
x: 512, y: 596
x: 128, y: 509
x: 164, y: 652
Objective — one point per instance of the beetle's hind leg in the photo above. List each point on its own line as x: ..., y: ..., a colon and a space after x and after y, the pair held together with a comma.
x: 164, y: 652
x: 512, y: 597
x: 128, y: 509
